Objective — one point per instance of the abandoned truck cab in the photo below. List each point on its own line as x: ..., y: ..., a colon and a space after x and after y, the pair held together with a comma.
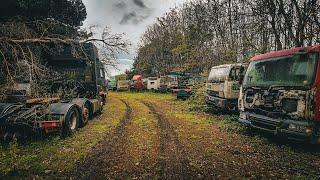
x: 122, y: 83
x: 223, y: 86
x: 69, y: 94
x: 136, y: 83
x: 281, y: 94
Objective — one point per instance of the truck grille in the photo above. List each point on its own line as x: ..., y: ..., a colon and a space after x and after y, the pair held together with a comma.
x: 264, y: 122
x: 213, y: 93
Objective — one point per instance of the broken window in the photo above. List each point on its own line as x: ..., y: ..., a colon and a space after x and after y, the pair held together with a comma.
x: 297, y: 70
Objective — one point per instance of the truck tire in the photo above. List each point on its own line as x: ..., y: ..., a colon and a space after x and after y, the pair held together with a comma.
x: 71, y: 123
x: 100, y: 105
x: 86, y: 115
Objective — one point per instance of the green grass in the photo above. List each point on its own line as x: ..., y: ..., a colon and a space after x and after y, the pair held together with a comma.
x: 55, y: 157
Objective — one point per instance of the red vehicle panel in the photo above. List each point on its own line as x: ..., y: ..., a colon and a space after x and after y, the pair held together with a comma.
x: 137, y: 83
x: 281, y: 93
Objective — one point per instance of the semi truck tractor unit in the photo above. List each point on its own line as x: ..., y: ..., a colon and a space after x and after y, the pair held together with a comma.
x: 223, y: 86
x: 70, y: 97
x: 136, y: 83
x: 280, y: 94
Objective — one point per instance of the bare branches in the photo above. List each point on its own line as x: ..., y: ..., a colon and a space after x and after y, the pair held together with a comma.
x: 22, y: 52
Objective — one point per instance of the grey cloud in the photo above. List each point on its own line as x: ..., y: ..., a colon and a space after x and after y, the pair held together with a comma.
x: 127, y: 17
x: 116, y: 15
x: 132, y: 12
x: 133, y: 18
x: 121, y: 5
x: 139, y: 3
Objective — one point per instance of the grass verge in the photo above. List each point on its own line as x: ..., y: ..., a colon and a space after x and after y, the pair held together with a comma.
x: 54, y: 157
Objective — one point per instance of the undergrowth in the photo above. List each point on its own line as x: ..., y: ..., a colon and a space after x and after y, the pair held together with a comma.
x: 197, y: 101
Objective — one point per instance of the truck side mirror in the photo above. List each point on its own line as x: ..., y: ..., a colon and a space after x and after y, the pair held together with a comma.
x: 241, y: 74
x: 241, y: 79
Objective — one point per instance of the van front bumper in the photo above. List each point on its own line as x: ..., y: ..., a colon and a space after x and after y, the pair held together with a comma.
x: 288, y: 128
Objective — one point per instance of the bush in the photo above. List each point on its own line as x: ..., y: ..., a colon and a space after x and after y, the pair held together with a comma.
x: 197, y: 101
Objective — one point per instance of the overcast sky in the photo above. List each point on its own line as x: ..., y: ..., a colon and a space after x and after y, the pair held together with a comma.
x: 131, y: 17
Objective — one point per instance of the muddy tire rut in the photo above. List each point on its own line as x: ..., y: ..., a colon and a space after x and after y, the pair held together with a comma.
x: 173, y: 161
x: 106, y: 153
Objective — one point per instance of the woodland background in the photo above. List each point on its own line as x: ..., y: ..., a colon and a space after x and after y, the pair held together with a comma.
x: 204, y: 33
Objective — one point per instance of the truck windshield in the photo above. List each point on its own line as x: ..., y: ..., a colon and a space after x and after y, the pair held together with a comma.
x: 219, y: 74
x: 297, y: 70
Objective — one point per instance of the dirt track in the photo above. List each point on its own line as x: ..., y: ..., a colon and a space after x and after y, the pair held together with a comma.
x: 155, y: 136
x: 158, y: 138
x: 172, y: 160
x: 106, y: 153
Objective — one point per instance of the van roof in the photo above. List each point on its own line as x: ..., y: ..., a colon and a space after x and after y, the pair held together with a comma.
x: 286, y: 52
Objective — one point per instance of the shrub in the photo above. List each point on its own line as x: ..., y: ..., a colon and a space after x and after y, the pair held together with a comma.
x: 197, y: 101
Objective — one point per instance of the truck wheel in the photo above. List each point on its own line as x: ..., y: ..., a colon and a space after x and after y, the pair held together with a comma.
x: 71, y: 122
x: 100, y: 106
x: 86, y: 115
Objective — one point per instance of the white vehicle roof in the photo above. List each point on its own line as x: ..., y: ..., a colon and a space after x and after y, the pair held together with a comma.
x: 222, y: 72
x: 153, y: 78
x: 227, y: 66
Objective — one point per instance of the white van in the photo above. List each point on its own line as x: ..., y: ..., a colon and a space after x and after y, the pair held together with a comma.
x: 153, y: 83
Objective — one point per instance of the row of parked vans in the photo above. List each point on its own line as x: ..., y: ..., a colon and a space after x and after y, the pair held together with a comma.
x: 277, y: 92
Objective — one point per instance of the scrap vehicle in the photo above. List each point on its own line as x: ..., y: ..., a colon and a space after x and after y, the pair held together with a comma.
x: 280, y: 94
x: 164, y: 84
x: 181, y: 88
x: 195, y: 81
x: 136, y: 83
x: 70, y: 94
x: 173, y: 81
x: 112, y: 85
x: 153, y: 83
x: 223, y: 86
x: 145, y: 82
x: 122, y: 82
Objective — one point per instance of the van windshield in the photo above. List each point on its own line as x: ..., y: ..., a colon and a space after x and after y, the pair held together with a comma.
x: 297, y: 70
x: 219, y: 74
